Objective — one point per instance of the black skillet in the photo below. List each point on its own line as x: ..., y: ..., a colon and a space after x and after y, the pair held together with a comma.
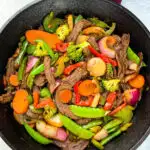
x: 14, y: 134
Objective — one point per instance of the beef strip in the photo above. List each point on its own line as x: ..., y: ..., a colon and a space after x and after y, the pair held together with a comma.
x: 49, y: 76
x: 69, y: 145
x: 68, y: 83
x: 121, y: 55
x: 118, y: 101
x: 93, y: 43
x: 40, y: 80
x: 24, y: 81
x: 10, y: 68
x: 32, y: 115
x: 83, y: 121
x: 77, y: 29
x: 125, y: 86
x: 7, y: 97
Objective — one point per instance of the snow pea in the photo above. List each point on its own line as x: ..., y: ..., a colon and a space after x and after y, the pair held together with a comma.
x: 22, y: 68
x: 87, y: 112
x: 75, y: 128
x: 45, y: 92
x: 97, y: 144
x: 78, y: 18
x: 37, y: 136
x: 92, y: 124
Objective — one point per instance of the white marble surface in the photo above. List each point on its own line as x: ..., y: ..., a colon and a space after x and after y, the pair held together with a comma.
x: 141, y: 8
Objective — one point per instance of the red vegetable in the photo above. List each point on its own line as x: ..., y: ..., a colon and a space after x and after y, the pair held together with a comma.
x: 62, y: 47
x: 110, y: 100
x: 77, y: 95
x: 70, y: 68
x: 87, y: 102
x: 102, y: 56
x: 36, y: 97
x: 31, y: 62
x: 132, y: 96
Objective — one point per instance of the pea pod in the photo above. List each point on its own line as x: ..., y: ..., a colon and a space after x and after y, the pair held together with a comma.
x: 92, y: 124
x: 87, y: 112
x: 45, y: 92
x: 78, y: 18
x: 22, y: 69
x: 97, y: 144
x: 22, y: 53
x: 75, y: 128
x: 30, y: 99
x: 36, y: 135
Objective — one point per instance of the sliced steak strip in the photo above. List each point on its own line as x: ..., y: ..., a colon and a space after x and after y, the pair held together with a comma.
x: 40, y: 80
x: 49, y: 76
x: 93, y: 43
x: 83, y: 121
x: 77, y: 29
x: 5, y: 98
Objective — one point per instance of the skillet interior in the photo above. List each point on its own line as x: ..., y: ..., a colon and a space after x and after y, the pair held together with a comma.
x: 15, y: 135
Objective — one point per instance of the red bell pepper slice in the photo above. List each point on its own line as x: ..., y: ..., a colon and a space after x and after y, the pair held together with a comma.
x: 102, y: 56
x: 62, y: 47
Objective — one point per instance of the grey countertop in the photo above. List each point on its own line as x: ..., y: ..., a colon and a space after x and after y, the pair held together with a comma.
x: 141, y: 8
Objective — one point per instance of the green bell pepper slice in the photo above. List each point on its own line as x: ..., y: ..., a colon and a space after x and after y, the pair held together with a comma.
x: 75, y: 128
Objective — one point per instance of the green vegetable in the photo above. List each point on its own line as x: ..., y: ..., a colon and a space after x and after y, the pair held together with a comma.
x: 45, y: 92
x: 92, y: 124
x: 112, y: 124
x: 36, y: 135
x: 111, y: 30
x: 113, y: 129
x: 22, y: 69
x: 111, y: 85
x: 107, y: 119
x: 62, y: 32
x: 75, y: 128
x: 35, y: 71
x: 30, y: 99
x: 109, y: 70
x: 87, y: 112
x: 131, y: 55
x: 125, y: 114
x: 99, y: 23
x: 34, y: 110
x: 50, y: 23
x: 19, y: 59
x: 97, y: 144
x: 74, y: 52
x: 30, y: 49
x: 102, y: 100
x: 78, y: 18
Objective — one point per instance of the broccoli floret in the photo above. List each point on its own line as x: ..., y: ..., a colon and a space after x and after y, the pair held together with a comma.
x: 109, y: 71
x: 111, y: 85
x: 62, y: 31
x: 74, y: 52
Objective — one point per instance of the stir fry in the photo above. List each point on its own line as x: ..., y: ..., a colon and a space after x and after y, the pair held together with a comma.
x: 73, y: 82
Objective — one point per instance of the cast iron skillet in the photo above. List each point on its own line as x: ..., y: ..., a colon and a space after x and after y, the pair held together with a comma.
x: 14, y: 134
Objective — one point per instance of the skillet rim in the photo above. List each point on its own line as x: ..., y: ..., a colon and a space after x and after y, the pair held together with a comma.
x: 128, y: 12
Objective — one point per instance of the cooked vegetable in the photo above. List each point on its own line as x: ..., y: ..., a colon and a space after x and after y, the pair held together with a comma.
x: 36, y: 136
x: 111, y: 30
x: 45, y: 92
x: 87, y: 112
x: 36, y: 98
x: 96, y: 67
x: 65, y: 96
x: 50, y: 39
x: 51, y: 131
x: 22, y: 69
x: 132, y: 96
x: 62, y: 32
x: 96, y: 100
x: 75, y: 128
x: 92, y: 124
x: 30, y: 99
x: 70, y: 22
x: 97, y: 144
x: 34, y: 110
x: 78, y: 18
x: 20, y: 103
x: 111, y: 85
x: 13, y: 80
x: 74, y: 52
x: 137, y: 82
x: 93, y: 30
x: 109, y: 70
x: 62, y: 47
x: 103, y: 46
x: 82, y: 38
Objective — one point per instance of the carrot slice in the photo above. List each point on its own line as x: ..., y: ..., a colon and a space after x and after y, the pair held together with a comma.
x: 87, y: 88
x: 36, y: 97
x: 137, y: 82
x: 65, y: 96
x: 50, y: 39
x: 13, y: 80
x: 20, y: 103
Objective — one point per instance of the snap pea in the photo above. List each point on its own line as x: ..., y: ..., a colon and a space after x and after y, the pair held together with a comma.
x: 87, y: 112
x: 78, y: 18
x: 37, y: 136
x: 97, y: 144
x: 75, y: 128
x: 92, y: 124
x: 21, y: 54
x: 113, y: 129
x: 22, y: 69
x: 45, y: 92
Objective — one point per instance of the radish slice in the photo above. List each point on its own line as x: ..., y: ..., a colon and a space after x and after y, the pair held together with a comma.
x: 105, y: 49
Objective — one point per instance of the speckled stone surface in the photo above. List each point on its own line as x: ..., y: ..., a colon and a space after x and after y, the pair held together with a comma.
x: 140, y: 8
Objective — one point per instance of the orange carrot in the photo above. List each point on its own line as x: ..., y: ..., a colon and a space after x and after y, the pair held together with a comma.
x: 93, y: 30
x: 137, y: 82
x: 36, y: 97
x: 13, y: 80
x: 70, y: 22
x: 117, y: 109
x: 44, y: 102
x: 50, y: 39
x: 87, y: 88
x: 20, y: 103
x: 111, y: 41
x: 65, y: 96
